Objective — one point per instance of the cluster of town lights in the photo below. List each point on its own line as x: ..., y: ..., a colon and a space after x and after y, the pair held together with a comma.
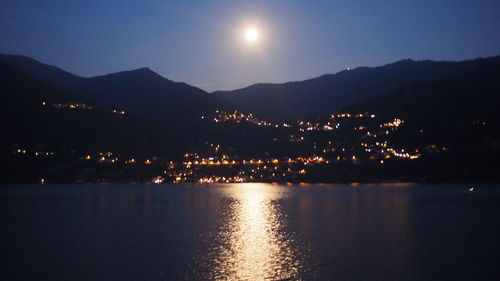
x: 188, y: 169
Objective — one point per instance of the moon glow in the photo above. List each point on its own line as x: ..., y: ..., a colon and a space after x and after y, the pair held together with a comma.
x: 251, y: 34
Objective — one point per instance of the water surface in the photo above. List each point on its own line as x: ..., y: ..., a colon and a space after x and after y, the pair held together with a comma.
x: 249, y: 232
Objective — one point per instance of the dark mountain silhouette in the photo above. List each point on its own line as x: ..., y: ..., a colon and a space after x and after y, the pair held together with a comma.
x: 140, y: 92
x: 42, y: 72
x: 470, y: 98
x: 330, y: 92
x: 460, y: 113
x: 452, y: 121
x: 31, y: 120
x: 146, y: 93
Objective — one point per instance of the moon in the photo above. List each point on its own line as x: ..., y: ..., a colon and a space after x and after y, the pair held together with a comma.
x: 251, y: 34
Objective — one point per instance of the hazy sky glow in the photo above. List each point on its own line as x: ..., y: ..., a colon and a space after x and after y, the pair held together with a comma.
x: 201, y: 42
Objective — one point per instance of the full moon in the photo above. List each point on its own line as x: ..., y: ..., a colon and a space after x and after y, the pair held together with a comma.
x: 251, y: 34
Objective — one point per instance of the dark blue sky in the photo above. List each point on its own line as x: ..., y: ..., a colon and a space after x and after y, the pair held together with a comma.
x: 200, y: 42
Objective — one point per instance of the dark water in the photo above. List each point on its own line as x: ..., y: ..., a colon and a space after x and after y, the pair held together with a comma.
x: 249, y: 232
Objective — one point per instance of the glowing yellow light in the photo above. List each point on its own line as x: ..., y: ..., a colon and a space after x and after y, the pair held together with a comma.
x: 251, y: 34
x: 255, y: 250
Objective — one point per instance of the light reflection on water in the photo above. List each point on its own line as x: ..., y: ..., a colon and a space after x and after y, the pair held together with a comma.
x: 252, y: 243
x: 249, y: 232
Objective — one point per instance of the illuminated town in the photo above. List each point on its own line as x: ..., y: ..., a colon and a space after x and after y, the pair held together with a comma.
x: 310, y: 147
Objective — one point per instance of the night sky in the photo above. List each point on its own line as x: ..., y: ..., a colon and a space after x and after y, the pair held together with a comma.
x: 201, y: 42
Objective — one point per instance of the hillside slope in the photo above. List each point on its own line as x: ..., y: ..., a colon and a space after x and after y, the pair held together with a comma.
x: 329, y: 93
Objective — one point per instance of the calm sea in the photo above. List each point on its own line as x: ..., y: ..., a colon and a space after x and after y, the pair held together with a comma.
x: 249, y: 232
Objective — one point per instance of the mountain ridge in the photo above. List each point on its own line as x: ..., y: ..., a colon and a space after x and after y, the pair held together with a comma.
x: 40, y: 71
x: 330, y: 92
x: 140, y: 91
x: 449, y: 126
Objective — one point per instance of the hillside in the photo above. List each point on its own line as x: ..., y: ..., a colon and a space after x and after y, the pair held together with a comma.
x: 46, y: 131
x: 140, y: 92
x: 330, y: 92
x: 138, y: 126
x: 470, y: 98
